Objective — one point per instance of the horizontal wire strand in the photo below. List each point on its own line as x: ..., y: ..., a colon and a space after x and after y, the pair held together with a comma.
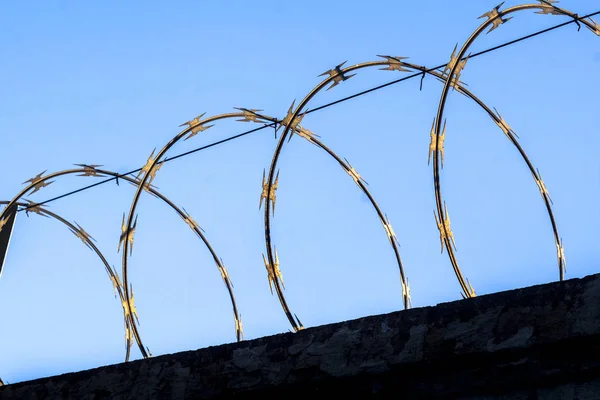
x: 322, y: 107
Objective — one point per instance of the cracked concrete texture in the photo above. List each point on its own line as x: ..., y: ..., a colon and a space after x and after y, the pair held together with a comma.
x: 537, y: 342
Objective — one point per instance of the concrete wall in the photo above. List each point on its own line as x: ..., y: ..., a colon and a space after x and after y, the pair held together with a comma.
x: 538, y: 342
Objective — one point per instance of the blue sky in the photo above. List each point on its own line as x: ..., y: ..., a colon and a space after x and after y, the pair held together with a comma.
x: 106, y: 83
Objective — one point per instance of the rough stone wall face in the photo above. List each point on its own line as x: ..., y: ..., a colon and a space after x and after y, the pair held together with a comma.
x: 541, y: 342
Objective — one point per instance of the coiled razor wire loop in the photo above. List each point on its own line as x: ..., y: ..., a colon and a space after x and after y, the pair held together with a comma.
x: 291, y: 122
x: 35, y: 184
x: 453, y: 70
x: 147, y: 174
x: 197, y: 125
x: 41, y: 181
x: 336, y: 76
x: 88, y: 240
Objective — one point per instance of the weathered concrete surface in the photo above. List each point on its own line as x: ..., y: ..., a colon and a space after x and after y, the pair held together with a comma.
x: 538, y: 342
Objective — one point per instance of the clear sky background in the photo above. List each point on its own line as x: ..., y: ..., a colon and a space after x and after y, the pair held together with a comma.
x: 106, y: 82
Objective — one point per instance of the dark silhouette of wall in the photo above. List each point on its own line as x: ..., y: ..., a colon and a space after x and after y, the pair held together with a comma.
x: 541, y: 342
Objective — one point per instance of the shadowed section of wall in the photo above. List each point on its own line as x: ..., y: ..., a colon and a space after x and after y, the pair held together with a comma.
x: 538, y: 342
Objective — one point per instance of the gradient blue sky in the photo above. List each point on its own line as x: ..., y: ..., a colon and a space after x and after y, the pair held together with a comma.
x: 106, y: 82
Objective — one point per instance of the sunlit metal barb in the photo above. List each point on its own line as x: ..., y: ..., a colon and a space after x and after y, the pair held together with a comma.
x: 337, y: 74
x: 560, y: 252
x: 454, y: 84
x: 272, y: 194
x: 90, y: 170
x: 440, y: 142
x: 389, y: 230
x: 300, y: 325
x: 128, y: 336
x: 239, y: 328
x: 224, y: 274
x: 36, y: 178
x: 595, y: 27
x: 495, y: 17
x: 151, y: 168
x: 443, y: 223
x: 129, y: 307
x: 542, y: 186
x: 35, y: 208
x: 38, y: 182
x: 562, y: 11
x: 127, y: 235
x: 274, y: 272
x: 149, y: 188
x: 432, y: 140
x: 406, y: 292
x: 353, y: 174
x: 555, y: 10
x: 304, y: 133
x: 394, y: 64
x: 457, y: 65
x: 116, y: 281
x: 287, y: 121
x: 250, y: 115
x: 190, y: 221
x: 508, y: 131
x: 547, y: 8
x: 197, y: 126
x: 471, y: 292
x: 85, y: 237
